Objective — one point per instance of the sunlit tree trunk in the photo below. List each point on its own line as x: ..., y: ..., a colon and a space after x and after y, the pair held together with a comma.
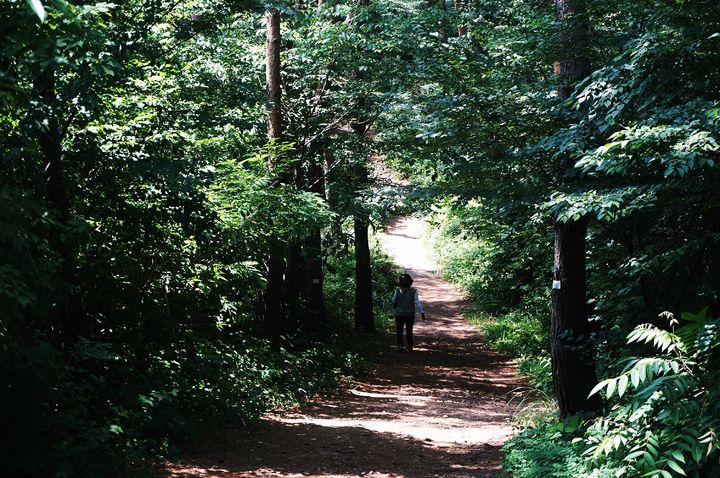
x: 573, y: 367
x: 276, y: 262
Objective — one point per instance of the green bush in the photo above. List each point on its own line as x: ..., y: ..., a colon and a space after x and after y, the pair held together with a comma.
x: 339, y: 286
x: 498, y: 265
x: 520, y: 332
x: 662, y: 422
x: 537, y: 371
x: 551, y: 450
x: 665, y: 414
x: 63, y: 414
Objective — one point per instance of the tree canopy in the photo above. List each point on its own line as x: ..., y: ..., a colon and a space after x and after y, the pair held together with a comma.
x: 151, y: 228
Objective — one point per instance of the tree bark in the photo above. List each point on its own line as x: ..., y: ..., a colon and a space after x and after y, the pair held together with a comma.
x: 273, y: 297
x: 295, y: 266
x: 293, y: 281
x: 314, y: 275
x: 460, y: 6
x: 364, y: 319
x: 276, y: 262
x: 572, y: 362
x: 272, y: 74
x: 70, y: 318
x: 573, y: 63
x: 573, y: 367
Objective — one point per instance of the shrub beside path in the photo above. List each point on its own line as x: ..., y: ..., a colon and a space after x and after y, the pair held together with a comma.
x: 440, y: 411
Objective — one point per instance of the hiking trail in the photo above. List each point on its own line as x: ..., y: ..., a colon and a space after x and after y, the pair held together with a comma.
x: 439, y: 411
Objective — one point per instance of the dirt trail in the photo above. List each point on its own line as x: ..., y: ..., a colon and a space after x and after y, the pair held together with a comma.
x: 440, y: 411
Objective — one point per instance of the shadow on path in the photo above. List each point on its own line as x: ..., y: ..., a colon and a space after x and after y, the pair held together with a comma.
x: 440, y: 411
x: 315, y: 450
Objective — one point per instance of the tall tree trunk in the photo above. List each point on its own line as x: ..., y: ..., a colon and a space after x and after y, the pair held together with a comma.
x: 364, y: 319
x: 295, y: 268
x: 293, y: 281
x: 70, y: 319
x: 332, y: 199
x: 276, y: 262
x: 272, y: 74
x: 572, y: 361
x: 573, y: 367
x: 314, y: 275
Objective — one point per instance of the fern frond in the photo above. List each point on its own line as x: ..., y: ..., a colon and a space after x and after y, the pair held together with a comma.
x: 664, y: 341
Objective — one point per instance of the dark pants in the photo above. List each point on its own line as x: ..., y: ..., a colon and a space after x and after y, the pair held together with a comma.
x: 407, y: 322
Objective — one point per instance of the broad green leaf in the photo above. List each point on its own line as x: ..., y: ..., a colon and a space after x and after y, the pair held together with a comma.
x: 598, y: 387
x: 678, y: 455
x: 622, y: 385
x: 675, y: 466
x: 612, y: 384
x: 632, y: 456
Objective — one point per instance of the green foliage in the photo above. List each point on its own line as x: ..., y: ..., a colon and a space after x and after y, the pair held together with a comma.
x: 80, y: 412
x: 340, y: 286
x: 551, y: 450
x: 498, y: 264
x: 521, y: 332
x: 664, y: 418
x: 536, y: 370
x: 524, y: 334
x: 140, y: 201
x: 140, y: 205
x: 640, y: 136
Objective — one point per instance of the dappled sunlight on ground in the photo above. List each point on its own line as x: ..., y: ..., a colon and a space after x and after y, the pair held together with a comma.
x: 440, y: 411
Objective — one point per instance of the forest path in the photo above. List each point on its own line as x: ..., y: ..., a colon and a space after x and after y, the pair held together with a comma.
x: 440, y: 411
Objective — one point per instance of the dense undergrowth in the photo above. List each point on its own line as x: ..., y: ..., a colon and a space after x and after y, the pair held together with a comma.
x: 661, y: 412
x: 144, y: 212
x: 106, y: 416
x: 142, y: 208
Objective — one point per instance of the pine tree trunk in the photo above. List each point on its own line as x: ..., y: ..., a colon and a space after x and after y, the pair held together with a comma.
x: 364, y: 319
x: 293, y: 281
x: 295, y: 267
x: 573, y: 367
x: 276, y: 262
x: 572, y: 361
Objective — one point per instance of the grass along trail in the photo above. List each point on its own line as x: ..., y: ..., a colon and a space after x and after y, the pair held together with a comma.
x: 440, y: 411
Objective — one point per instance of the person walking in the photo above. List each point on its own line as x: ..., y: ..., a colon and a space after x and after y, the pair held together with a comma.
x: 406, y: 303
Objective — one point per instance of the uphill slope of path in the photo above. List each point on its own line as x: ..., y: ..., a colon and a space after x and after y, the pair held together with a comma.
x: 439, y: 411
